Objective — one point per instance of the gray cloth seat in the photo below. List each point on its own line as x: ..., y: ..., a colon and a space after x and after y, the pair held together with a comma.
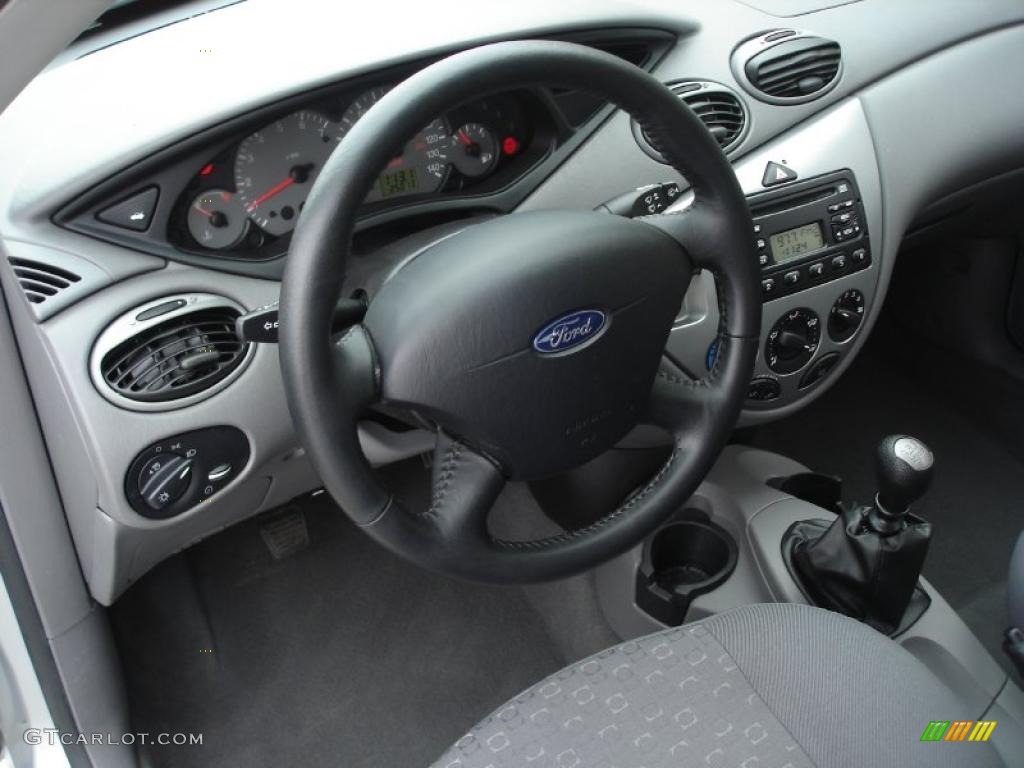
x: 763, y: 686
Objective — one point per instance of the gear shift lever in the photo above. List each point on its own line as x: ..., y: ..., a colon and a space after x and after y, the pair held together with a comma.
x: 904, y: 468
x: 866, y: 562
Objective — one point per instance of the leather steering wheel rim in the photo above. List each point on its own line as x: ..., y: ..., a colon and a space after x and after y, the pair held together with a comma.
x: 329, y: 382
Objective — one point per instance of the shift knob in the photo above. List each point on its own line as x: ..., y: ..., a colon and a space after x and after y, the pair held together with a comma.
x: 904, y: 467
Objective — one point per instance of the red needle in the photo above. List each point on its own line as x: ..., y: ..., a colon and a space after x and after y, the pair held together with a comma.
x: 202, y: 210
x: 279, y: 187
x: 464, y: 138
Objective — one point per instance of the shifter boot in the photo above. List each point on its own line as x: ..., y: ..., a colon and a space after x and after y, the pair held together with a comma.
x: 854, y: 570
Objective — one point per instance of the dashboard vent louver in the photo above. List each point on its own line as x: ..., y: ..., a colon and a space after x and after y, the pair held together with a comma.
x: 177, y: 358
x: 721, y: 112
x: 718, y: 107
x: 796, y: 70
x: 40, y: 281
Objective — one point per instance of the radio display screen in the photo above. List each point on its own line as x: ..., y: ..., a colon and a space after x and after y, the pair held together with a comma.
x: 794, y: 243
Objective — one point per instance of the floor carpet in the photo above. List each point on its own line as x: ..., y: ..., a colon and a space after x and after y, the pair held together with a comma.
x: 340, y: 655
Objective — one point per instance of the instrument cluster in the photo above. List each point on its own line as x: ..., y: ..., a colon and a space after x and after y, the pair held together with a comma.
x: 245, y: 200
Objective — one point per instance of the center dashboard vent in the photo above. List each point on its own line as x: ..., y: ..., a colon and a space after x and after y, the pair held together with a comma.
x: 788, y: 67
x: 186, y: 351
x: 718, y: 107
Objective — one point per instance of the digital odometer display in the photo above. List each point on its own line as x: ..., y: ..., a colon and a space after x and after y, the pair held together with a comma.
x: 794, y: 243
x: 400, y: 182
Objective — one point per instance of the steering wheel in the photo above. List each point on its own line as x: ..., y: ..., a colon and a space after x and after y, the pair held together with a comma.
x: 532, y: 341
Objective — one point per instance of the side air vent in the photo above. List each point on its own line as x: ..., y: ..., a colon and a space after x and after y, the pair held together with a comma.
x: 40, y: 281
x: 182, y: 349
x: 719, y: 108
x: 793, y: 69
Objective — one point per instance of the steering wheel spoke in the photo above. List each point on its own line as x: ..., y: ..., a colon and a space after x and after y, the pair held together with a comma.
x: 464, y: 486
x: 355, y: 369
x: 677, y: 404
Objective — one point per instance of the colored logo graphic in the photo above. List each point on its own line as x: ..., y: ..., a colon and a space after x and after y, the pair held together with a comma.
x: 570, y: 332
x: 958, y: 730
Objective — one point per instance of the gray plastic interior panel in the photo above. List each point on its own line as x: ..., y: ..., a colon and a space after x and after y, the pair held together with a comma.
x: 29, y: 496
x: 945, y: 123
x: 794, y: 7
x: 735, y: 496
x: 97, y: 440
x: 1009, y: 707
x: 74, y: 626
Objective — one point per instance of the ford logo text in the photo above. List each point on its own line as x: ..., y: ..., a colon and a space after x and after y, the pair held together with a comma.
x: 570, y: 333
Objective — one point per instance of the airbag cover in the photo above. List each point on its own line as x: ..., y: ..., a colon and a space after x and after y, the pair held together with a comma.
x: 559, y: 317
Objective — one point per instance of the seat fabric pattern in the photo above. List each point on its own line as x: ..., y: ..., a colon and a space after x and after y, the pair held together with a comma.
x: 671, y: 699
x: 763, y: 686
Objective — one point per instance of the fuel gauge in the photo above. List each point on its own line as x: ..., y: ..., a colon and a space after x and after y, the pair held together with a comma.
x: 474, y: 150
x: 217, y: 219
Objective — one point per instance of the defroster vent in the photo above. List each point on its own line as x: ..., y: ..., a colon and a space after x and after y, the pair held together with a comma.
x: 40, y: 281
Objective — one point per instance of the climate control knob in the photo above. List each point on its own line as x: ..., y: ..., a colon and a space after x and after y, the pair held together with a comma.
x: 846, y: 315
x: 792, y: 341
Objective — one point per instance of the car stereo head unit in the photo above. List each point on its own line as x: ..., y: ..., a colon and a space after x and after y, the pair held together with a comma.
x: 808, y: 233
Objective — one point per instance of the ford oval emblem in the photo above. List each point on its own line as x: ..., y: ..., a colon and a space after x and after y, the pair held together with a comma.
x: 570, y: 333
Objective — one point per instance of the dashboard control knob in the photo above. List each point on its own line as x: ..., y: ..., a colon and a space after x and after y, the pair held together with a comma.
x: 846, y: 315
x: 792, y: 341
x: 164, y: 479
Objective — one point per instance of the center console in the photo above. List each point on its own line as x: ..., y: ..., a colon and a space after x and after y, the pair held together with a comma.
x: 727, y: 548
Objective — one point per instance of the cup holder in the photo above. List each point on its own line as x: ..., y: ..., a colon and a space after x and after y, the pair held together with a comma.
x: 686, y: 557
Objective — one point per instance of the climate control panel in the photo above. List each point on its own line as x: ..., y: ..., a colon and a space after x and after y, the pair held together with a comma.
x: 181, y: 471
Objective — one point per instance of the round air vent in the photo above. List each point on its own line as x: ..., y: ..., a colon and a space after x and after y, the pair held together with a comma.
x: 718, y: 107
x: 170, y: 352
x: 787, y: 66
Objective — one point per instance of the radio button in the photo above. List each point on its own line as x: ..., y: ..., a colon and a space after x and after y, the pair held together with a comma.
x: 816, y: 270
x: 767, y: 286
x: 841, y: 206
x: 762, y: 259
x: 792, y: 278
x: 761, y: 244
x: 839, y: 262
x: 859, y: 256
x: 842, y: 218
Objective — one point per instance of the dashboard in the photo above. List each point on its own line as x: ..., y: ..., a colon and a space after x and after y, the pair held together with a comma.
x: 228, y: 196
x: 138, y: 232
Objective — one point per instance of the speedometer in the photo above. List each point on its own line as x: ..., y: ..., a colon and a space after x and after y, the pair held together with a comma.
x: 423, y: 164
x: 276, y: 167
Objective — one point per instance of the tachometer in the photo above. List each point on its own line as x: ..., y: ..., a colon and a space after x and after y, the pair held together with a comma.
x: 422, y: 166
x: 276, y: 167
